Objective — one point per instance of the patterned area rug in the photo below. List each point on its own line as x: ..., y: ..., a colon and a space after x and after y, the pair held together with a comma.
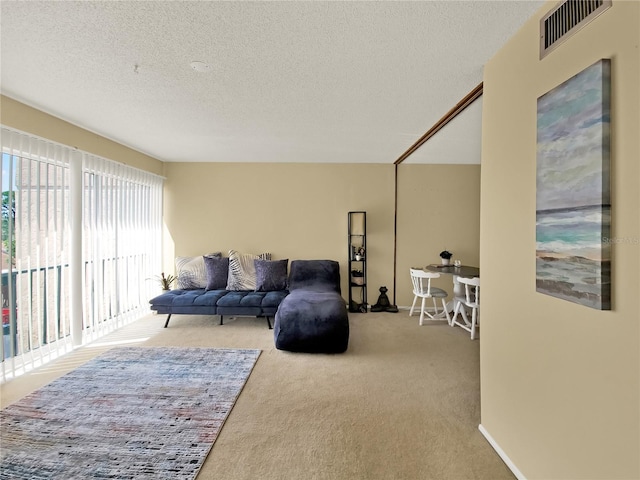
x: 136, y: 412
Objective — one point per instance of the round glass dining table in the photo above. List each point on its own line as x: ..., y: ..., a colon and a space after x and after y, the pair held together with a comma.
x: 461, y: 271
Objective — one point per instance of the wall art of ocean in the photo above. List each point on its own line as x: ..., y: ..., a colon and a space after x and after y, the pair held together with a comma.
x: 573, y: 256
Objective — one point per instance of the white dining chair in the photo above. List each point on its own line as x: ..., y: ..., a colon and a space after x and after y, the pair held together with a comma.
x: 422, y: 288
x: 470, y: 299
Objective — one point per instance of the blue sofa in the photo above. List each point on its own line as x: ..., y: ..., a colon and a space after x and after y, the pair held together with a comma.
x: 218, y: 302
x: 311, y: 316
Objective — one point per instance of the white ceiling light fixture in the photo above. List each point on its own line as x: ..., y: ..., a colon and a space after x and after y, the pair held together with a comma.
x: 200, y: 67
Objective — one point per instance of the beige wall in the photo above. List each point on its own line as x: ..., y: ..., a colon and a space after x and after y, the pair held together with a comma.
x: 300, y: 211
x: 295, y: 211
x: 559, y: 381
x: 22, y: 117
x: 438, y: 208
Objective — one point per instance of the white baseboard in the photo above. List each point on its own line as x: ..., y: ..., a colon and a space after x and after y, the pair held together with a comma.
x: 501, y: 453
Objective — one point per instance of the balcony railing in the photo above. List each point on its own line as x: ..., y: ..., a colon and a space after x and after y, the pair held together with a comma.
x: 35, y: 303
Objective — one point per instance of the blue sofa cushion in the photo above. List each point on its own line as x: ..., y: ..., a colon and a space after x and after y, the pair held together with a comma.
x: 219, y: 302
x: 208, y: 298
x: 166, y: 298
x: 250, y: 302
x: 271, y: 302
x: 187, y: 297
x: 240, y: 298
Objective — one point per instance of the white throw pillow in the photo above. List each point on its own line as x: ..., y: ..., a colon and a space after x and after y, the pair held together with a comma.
x: 191, y: 272
x: 242, y: 271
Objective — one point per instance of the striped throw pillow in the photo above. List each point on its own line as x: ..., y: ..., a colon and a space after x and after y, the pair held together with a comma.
x: 242, y: 271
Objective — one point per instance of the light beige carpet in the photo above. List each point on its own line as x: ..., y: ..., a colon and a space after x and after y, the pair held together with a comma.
x: 402, y: 403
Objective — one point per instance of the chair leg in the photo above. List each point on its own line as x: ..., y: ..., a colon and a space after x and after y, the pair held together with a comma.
x: 435, y: 308
x: 456, y: 310
x: 415, y: 297
x: 422, y: 311
x: 446, y: 311
x: 474, y: 317
x: 463, y: 312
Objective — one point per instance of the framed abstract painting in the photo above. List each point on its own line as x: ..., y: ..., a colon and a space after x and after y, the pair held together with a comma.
x: 573, y: 191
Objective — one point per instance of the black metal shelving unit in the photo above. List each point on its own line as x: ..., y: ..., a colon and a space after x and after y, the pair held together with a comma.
x: 357, y: 243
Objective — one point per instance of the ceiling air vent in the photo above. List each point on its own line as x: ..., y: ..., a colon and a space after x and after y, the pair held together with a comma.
x: 566, y: 19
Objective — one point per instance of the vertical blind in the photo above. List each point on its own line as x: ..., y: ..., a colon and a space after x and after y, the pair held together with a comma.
x: 121, y: 227
x: 121, y: 222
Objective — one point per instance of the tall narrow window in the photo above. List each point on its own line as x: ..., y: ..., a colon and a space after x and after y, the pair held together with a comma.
x: 121, y: 242
x: 35, y: 245
x: 121, y: 229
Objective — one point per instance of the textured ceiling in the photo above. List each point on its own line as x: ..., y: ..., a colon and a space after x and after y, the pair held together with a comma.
x: 289, y: 81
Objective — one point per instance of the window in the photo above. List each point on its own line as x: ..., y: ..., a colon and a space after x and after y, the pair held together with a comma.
x: 120, y: 231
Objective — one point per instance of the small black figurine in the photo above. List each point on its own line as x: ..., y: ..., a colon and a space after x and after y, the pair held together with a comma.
x: 384, y: 305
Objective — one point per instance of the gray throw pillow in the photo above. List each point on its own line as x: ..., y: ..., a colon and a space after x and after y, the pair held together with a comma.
x: 217, y: 269
x: 271, y: 275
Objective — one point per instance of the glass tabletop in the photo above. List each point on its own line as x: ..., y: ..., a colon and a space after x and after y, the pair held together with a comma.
x: 461, y: 271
